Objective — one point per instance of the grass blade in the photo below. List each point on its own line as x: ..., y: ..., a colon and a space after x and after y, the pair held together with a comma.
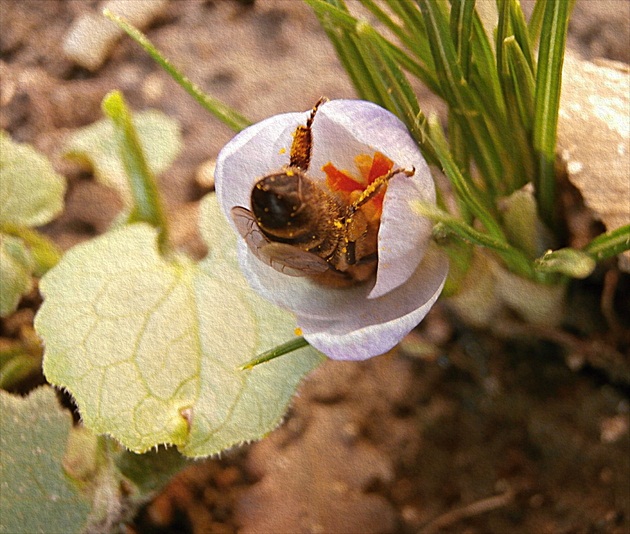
x: 516, y: 261
x: 464, y: 187
x: 340, y: 26
x: 535, y: 21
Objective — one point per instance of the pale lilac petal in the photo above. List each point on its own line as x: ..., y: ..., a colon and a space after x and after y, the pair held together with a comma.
x: 379, y: 324
x: 343, y: 323
x: 255, y: 152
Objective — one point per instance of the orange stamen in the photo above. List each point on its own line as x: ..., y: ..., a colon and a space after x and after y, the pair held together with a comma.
x: 371, y: 168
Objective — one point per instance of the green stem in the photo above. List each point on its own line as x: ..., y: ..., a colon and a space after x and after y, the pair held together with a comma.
x: 280, y: 350
x: 224, y: 113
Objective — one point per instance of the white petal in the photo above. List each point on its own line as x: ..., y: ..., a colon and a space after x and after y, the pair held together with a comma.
x: 253, y: 153
x: 379, y: 324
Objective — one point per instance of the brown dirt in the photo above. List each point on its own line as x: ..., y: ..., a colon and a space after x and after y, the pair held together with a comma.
x: 517, y: 432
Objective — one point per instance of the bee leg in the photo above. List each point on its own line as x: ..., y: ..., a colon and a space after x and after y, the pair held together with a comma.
x: 370, y: 258
x: 375, y: 186
x: 351, y: 257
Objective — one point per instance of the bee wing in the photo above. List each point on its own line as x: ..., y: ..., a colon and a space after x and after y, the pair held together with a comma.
x: 283, y: 258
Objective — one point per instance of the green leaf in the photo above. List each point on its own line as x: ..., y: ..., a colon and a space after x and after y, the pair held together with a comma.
x: 43, y: 250
x: 516, y: 261
x: 37, y: 496
x: 393, y: 86
x: 522, y: 82
x: 461, y: 23
x: 535, y: 22
x: 546, y: 103
x: 97, y: 146
x: 567, y: 261
x: 465, y: 189
x: 31, y: 192
x: 150, y: 347
x: 340, y: 27
x: 230, y: 117
x: 521, y: 34
x: 462, y: 101
x: 16, y: 265
x: 147, y: 205
x: 609, y: 244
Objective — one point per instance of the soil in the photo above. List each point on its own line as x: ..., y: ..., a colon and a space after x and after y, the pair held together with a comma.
x: 459, y: 430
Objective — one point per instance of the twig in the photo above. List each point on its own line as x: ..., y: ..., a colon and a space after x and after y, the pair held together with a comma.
x: 470, y: 510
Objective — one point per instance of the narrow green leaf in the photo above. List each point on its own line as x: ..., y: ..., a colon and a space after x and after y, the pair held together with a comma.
x: 147, y: 205
x: 462, y: 101
x: 522, y: 82
x: 519, y: 116
x: 461, y: 23
x: 464, y: 187
x: 535, y: 21
x: 547, y: 102
x: 274, y: 353
x: 568, y: 261
x: 231, y: 118
x: 513, y: 258
x: 459, y: 227
x: 504, y: 29
x: 519, y: 27
x: 484, y: 77
x: 610, y: 243
x: 411, y: 19
x: 393, y: 83
x: 388, y: 21
x: 340, y: 26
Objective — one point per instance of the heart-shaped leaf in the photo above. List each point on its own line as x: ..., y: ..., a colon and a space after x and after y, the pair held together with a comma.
x: 150, y: 346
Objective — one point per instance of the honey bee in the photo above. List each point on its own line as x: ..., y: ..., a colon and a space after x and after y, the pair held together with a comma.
x: 302, y: 228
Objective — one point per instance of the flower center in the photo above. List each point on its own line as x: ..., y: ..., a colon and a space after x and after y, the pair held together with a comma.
x: 350, y: 187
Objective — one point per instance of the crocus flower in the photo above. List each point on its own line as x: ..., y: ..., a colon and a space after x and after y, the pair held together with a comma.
x: 349, y: 138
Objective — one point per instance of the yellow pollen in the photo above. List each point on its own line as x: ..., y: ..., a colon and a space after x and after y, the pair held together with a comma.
x: 290, y: 173
x: 282, y: 151
x: 298, y: 331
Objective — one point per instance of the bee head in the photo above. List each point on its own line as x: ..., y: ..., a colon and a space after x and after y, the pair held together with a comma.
x: 278, y: 203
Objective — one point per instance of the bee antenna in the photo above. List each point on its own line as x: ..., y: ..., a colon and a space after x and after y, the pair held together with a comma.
x: 322, y: 100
